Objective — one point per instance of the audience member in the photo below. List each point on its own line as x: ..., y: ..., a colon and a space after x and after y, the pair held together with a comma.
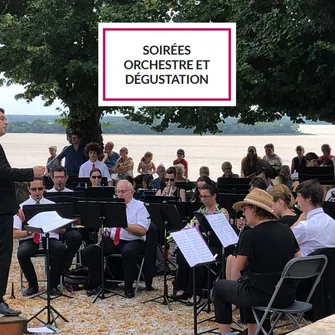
x: 251, y: 165
x: 146, y: 168
x: 180, y: 174
x: 311, y: 159
x: 74, y: 154
x: 52, y: 161
x: 262, y: 255
x: 128, y: 242
x: 124, y: 165
x: 299, y: 160
x: 273, y: 159
x: 227, y: 168
x: 326, y: 153
x: 110, y: 158
x: 181, y: 160
x: 257, y: 182
x: 201, y: 181
x: 93, y: 150
x: 315, y: 229
x: 29, y: 244
x: 157, y: 182
x: 204, y: 171
x: 284, y: 177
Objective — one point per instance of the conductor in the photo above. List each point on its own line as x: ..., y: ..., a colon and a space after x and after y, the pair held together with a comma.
x: 8, y: 208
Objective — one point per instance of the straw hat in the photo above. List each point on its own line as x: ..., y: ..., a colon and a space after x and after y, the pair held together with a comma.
x: 258, y: 198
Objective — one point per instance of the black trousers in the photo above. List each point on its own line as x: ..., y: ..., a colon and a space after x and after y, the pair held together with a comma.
x: 228, y: 292
x: 130, y: 251
x: 28, y: 248
x: 6, y: 249
x: 73, y: 240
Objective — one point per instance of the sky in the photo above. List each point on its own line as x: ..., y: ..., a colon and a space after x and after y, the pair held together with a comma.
x: 21, y: 107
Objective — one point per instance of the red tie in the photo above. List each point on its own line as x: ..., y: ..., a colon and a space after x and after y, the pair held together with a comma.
x: 93, y: 166
x: 36, y: 238
x: 117, y: 236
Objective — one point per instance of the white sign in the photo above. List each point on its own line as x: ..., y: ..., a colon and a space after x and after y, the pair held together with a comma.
x: 167, y: 64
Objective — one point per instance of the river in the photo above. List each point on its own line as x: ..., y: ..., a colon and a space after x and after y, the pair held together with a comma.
x: 27, y: 150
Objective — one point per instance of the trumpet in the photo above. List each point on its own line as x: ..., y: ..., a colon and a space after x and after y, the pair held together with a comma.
x: 40, y: 242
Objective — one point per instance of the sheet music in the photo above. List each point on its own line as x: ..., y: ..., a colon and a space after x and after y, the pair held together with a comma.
x: 222, y: 229
x: 48, y: 221
x: 193, y: 246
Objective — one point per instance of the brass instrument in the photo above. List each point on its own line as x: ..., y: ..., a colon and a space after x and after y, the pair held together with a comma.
x: 40, y: 242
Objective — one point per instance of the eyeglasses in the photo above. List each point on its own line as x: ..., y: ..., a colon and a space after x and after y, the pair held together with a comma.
x: 34, y: 189
x: 95, y: 177
x: 3, y: 118
x: 169, y: 179
x: 122, y: 191
x: 204, y: 196
x: 244, y: 207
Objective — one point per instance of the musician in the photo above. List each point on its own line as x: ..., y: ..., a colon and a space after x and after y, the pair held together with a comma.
x: 128, y: 242
x: 93, y: 151
x: 330, y: 196
x: 95, y: 177
x: 315, y: 229
x: 72, y: 237
x: 170, y: 189
x: 29, y: 244
x: 183, y: 283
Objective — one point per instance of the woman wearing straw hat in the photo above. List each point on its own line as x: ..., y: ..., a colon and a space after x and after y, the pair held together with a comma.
x: 262, y: 254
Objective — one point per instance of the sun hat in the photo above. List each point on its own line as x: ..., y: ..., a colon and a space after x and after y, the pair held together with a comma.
x: 53, y: 147
x: 258, y: 198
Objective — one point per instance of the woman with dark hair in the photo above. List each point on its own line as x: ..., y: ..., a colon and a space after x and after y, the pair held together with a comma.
x: 251, y: 163
x: 312, y: 159
x: 262, y: 255
x: 201, y: 181
x: 169, y: 189
x: 183, y: 283
x: 257, y: 182
x: 95, y: 177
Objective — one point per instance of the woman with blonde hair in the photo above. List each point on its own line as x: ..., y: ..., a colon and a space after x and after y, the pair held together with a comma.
x: 283, y: 204
x: 146, y: 168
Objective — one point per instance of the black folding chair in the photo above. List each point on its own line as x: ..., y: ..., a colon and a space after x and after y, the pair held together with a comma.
x: 296, y: 268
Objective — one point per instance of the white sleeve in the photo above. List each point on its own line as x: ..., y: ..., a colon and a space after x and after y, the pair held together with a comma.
x: 17, y: 223
x: 81, y: 171
x: 299, y: 232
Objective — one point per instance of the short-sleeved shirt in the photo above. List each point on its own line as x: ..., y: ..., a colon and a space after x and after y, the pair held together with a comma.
x: 268, y: 247
x: 86, y: 168
x: 110, y: 161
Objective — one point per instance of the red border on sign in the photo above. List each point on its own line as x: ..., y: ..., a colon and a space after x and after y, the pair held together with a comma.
x: 105, y: 30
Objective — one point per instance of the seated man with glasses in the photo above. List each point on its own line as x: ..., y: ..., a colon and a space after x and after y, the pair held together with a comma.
x: 30, y: 244
x: 169, y: 189
x: 128, y: 242
x: 72, y: 237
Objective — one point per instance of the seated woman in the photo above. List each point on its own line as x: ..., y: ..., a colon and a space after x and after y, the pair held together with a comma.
x: 124, y: 165
x: 284, y: 177
x: 169, y: 189
x: 95, y: 177
x: 183, y: 282
x: 227, y: 168
x: 283, y: 202
x: 262, y: 255
x: 146, y: 168
x: 201, y: 181
x: 180, y: 174
x: 312, y: 159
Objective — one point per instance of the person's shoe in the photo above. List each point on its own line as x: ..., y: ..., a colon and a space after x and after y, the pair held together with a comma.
x: 55, y: 292
x: 30, y: 291
x: 129, y: 293
x: 189, y: 302
x: 93, y: 291
x: 7, y: 311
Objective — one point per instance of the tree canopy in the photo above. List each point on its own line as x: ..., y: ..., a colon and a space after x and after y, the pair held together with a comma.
x: 285, y: 57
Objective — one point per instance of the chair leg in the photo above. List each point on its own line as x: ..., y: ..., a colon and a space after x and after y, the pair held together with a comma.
x: 139, y: 276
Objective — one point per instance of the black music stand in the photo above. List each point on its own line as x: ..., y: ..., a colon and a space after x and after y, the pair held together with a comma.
x: 329, y: 208
x: 164, y: 216
x: 160, y: 199
x: 233, y: 185
x: 187, y: 186
x: 323, y: 174
x: 107, y: 192
x: 51, y: 311
x: 101, y: 214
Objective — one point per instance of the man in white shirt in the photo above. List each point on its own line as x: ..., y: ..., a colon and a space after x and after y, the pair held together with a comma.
x: 317, y: 230
x: 128, y: 242
x: 72, y: 237
x: 93, y: 151
x: 29, y: 244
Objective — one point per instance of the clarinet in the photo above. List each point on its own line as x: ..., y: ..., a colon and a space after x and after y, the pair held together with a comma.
x: 40, y: 243
x: 58, y: 187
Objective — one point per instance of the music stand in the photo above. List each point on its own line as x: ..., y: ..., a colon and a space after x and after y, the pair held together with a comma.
x: 50, y: 309
x: 329, y: 208
x: 100, y: 192
x: 160, y: 199
x: 233, y: 185
x: 227, y: 200
x: 101, y: 214
x: 323, y: 174
x: 164, y: 216
x: 187, y: 186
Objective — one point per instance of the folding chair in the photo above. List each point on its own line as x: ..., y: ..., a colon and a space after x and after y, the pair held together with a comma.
x: 296, y: 268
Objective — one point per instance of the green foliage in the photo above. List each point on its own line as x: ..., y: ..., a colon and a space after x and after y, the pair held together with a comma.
x: 285, y: 58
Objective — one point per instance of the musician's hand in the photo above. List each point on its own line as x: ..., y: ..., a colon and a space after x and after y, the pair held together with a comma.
x: 38, y: 171
x: 240, y: 223
x: 107, y: 234
x: 20, y: 214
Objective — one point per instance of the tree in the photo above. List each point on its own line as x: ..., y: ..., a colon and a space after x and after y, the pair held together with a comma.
x: 285, y: 57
